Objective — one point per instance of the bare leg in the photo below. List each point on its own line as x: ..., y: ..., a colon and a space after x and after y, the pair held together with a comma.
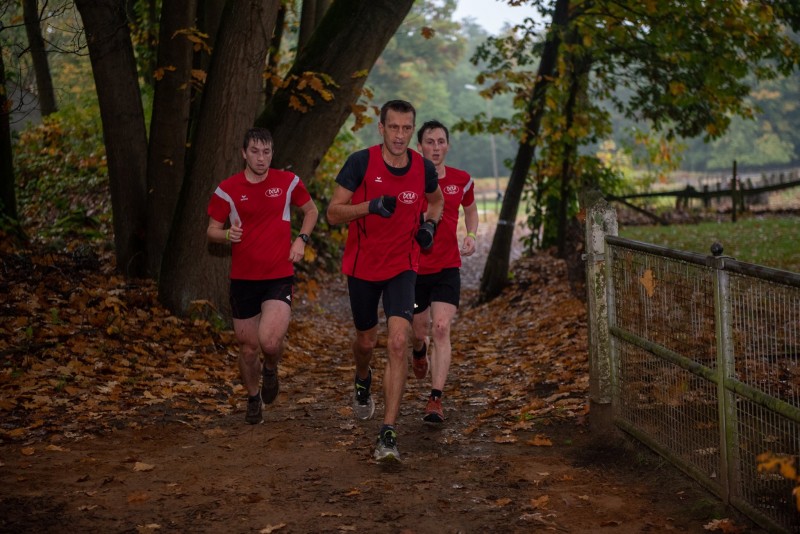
x: 275, y: 316
x: 363, y: 346
x: 396, y: 368
x: 420, y: 327
x: 443, y: 314
x: 249, y: 353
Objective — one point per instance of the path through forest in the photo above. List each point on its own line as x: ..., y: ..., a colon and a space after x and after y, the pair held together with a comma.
x: 155, y: 441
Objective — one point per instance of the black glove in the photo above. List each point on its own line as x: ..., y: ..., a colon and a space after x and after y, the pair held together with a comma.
x: 425, y: 234
x: 383, y: 206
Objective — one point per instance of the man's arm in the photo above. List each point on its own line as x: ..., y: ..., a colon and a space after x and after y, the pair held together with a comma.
x: 340, y: 210
x: 310, y: 215
x: 471, y: 222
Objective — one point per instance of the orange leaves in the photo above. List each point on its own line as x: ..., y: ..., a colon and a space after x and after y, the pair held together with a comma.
x: 528, y: 352
x: 783, y: 464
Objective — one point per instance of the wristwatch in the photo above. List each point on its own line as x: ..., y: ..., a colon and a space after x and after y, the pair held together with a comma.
x: 304, y: 237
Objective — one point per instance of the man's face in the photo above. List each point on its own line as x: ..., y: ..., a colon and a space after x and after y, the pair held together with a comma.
x: 258, y: 156
x: 434, y: 145
x: 397, y: 131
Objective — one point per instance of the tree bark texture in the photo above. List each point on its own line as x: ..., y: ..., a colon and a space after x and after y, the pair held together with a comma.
x: 124, y: 135
x: 345, y: 46
x: 495, y: 273
x: 41, y: 67
x: 8, y: 197
x: 192, y: 270
x: 308, y: 22
x: 169, y: 127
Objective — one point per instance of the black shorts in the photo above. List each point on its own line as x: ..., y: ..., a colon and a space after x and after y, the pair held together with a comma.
x: 247, y: 295
x: 444, y: 286
x: 398, y: 298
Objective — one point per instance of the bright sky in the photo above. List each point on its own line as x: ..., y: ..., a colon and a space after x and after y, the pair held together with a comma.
x: 492, y: 14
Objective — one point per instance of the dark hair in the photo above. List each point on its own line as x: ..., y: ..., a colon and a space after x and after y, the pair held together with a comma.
x: 257, y: 134
x: 432, y: 125
x: 397, y: 105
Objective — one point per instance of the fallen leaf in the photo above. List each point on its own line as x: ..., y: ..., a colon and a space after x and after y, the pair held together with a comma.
x: 505, y: 439
x: 27, y: 451
x: 138, y: 497
x: 540, y: 502
x: 502, y: 501
x: 306, y: 400
x: 271, y: 528
x: 56, y: 448
x: 540, y: 441
x: 141, y: 466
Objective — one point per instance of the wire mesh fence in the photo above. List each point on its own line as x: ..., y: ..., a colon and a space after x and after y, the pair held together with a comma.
x: 706, y: 369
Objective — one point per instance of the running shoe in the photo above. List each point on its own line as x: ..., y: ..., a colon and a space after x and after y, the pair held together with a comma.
x: 386, y: 447
x: 419, y: 361
x: 363, y: 403
x: 433, y: 411
x: 269, y: 385
x: 253, y: 415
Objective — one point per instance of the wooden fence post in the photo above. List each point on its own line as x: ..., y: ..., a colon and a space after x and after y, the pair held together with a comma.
x: 601, y: 220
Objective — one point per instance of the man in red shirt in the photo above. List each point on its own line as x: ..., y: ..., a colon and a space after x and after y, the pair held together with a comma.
x: 438, y: 288
x: 380, y: 192
x: 257, y: 203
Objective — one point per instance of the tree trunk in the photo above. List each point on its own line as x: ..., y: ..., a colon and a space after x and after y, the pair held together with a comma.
x: 41, y: 67
x: 124, y: 135
x: 168, y: 127
x: 308, y: 21
x: 495, y: 273
x: 8, y: 197
x: 191, y: 269
x: 343, y: 50
x: 209, y: 15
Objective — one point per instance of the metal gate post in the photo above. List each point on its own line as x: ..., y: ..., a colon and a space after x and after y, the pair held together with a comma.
x: 726, y: 399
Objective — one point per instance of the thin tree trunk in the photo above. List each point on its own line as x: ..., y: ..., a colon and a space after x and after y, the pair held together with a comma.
x: 341, y: 49
x: 308, y: 22
x: 124, y: 135
x: 191, y: 269
x: 41, y: 67
x: 8, y: 197
x: 168, y: 127
x: 495, y: 273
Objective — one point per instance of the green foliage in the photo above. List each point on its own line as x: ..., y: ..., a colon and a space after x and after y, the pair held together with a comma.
x: 765, y: 241
x: 62, y: 176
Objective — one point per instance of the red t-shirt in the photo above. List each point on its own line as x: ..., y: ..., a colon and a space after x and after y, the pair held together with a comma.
x: 263, y: 212
x: 380, y: 248
x: 457, y: 188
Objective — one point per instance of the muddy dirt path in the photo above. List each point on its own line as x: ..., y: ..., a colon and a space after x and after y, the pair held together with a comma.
x: 309, y: 468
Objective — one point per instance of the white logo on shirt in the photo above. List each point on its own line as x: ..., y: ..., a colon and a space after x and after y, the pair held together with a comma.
x: 379, y: 179
x: 450, y: 190
x: 273, y: 192
x: 244, y: 197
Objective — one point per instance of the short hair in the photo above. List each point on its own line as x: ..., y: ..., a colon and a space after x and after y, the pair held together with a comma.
x: 257, y: 134
x: 401, y: 106
x: 432, y: 125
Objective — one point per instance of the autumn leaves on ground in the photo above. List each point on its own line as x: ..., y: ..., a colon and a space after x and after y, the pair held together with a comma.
x: 117, y: 417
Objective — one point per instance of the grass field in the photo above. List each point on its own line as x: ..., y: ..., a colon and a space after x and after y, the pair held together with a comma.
x: 770, y: 241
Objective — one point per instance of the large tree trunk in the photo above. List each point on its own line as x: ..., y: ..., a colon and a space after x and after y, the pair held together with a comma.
x: 8, y: 197
x: 342, y: 49
x: 124, y: 135
x: 168, y: 127
x: 41, y: 67
x: 495, y: 273
x: 191, y: 269
x: 308, y: 22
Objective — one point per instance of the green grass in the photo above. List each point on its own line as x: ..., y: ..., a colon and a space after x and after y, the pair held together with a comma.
x: 774, y: 241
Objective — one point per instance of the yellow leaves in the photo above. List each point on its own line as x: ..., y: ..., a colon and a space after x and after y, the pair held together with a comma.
x: 677, y: 88
x: 784, y: 464
x: 648, y: 282
x: 158, y: 74
x: 427, y: 32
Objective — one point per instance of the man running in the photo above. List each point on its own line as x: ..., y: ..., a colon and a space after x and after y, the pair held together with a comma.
x: 438, y: 287
x: 380, y: 193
